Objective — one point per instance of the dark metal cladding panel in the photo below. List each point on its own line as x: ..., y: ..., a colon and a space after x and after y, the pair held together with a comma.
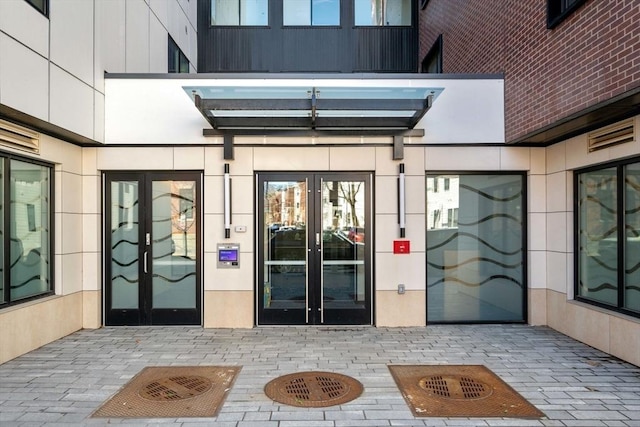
x: 385, y: 49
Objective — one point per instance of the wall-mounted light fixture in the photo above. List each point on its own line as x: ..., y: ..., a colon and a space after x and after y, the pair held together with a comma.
x: 227, y: 202
x: 401, y: 201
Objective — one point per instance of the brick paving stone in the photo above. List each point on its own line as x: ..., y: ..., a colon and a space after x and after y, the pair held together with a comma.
x: 64, y: 382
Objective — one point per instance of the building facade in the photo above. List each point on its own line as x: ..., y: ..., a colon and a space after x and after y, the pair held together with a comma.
x: 288, y: 182
x: 572, y: 85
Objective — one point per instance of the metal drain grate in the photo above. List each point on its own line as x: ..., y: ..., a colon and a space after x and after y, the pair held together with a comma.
x: 459, y: 391
x: 313, y: 389
x: 171, y: 392
x: 175, y: 388
x: 455, y: 387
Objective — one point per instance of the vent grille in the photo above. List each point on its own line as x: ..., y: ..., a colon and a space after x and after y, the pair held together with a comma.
x: 618, y: 133
x: 14, y: 136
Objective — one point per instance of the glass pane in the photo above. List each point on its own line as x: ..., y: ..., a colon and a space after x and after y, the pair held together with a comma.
x: 225, y: 12
x: 296, y: 12
x: 29, y: 224
x: 598, y: 228
x: 475, y: 248
x: 326, y: 12
x: 343, y: 244
x: 254, y: 12
x: 173, y: 238
x: 632, y: 227
x: 125, y: 280
x: 285, y: 240
x: 382, y: 12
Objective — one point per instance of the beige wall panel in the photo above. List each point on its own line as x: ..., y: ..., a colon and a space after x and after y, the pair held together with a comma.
x: 242, y: 189
x: 291, y: 158
x: 90, y: 161
x: 72, y: 195
x: 538, y: 161
x: 228, y: 309
x: 91, y: 309
x: 462, y: 158
x: 188, y: 158
x: 32, y: 325
x: 556, y: 158
x: 415, y: 191
x: 68, y: 156
x: 214, y: 231
x: 556, y: 192
x: 386, y: 195
x: 91, y: 194
x: 557, y: 266
x: 352, y: 158
x: 556, y: 231
x: 228, y: 279
x: 91, y: 271
x: 241, y: 165
x: 537, y: 306
x: 413, y: 161
x: 406, y: 269
x: 71, y: 233
x: 537, y: 266
x: 515, y: 158
x: 71, y: 280
x: 387, y: 230
x: 135, y: 158
x: 537, y: 234
x: 625, y: 339
x: 537, y: 193
x: 394, y: 310
x: 214, y: 194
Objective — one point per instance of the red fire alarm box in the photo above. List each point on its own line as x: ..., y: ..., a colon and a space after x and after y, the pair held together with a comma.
x: 401, y: 247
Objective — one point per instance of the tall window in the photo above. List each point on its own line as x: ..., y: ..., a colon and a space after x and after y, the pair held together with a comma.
x: 382, y: 12
x: 311, y: 12
x: 608, y: 236
x: 476, y: 248
x: 558, y: 10
x: 178, y: 62
x: 41, y: 5
x: 25, y: 230
x: 240, y: 12
x: 432, y: 62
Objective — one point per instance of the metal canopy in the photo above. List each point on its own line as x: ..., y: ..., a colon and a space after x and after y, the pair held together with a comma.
x: 239, y: 110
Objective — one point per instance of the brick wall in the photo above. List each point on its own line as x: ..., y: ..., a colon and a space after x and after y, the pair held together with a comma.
x: 588, y: 58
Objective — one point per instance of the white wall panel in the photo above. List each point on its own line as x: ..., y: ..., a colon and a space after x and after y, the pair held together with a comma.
x: 158, y: 47
x: 72, y: 37
x: 71, y: 103
x: 24, y: 82
x: 137, y: 37
x: 112, y: 36
x: 13, y: 16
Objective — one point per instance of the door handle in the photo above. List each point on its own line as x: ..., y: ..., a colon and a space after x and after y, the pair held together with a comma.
x: 144, y: 261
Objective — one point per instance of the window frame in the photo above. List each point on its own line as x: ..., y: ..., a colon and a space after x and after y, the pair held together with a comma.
x: 6, y: 159
x: 620, y: 235
x: 43, y: 10
x: 559, y: 10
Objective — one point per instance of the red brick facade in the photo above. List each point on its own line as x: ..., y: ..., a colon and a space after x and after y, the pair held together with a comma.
x: 590, y: 57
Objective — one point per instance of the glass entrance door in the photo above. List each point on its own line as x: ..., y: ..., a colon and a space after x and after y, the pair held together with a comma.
x: 314, y: 252
x: 152, y: 241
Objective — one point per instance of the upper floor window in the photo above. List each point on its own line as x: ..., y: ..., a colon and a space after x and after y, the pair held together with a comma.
x: 240, y: 12
x: 178, y: 62
x: 41, y: 5
x: 311, y: 12
x: 432, y: 62
x: 383, y: 12
x: 608, y: 236
x: 25, y: 230
x: 558, y: 10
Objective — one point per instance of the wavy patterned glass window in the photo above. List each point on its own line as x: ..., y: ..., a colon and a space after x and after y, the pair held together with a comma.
x: 608, y: 237
x: 25, y: 231
x: 475, y: 253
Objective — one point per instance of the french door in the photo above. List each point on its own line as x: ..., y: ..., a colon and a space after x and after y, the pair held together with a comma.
x: 314, y: 249
x: 152, y: 248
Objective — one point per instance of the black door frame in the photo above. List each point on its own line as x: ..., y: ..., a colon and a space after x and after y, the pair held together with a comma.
x: 314, y: 267
x: 145, y: 314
